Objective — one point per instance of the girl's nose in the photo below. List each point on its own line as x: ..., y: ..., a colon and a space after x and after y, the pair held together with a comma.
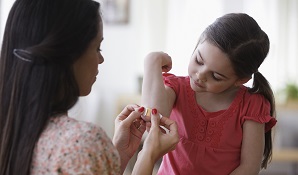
x: 201, y: 77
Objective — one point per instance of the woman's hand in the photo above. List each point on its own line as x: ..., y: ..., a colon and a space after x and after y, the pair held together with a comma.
x: 156, y: 144
x: 129, y: 129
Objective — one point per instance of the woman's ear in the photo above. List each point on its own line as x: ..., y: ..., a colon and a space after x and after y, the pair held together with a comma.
x: 242, y: 81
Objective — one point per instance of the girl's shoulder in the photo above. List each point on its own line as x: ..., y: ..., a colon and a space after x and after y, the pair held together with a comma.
x: 257, y: 108
x: 173, y: 76
x: 255, y: 98
x: 250, y: 104
x: 172, y: 79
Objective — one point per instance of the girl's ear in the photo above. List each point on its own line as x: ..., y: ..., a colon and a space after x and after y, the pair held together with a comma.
x: 242, y: 81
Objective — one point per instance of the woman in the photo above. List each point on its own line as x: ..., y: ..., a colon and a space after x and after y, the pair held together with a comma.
x: 49, y: 57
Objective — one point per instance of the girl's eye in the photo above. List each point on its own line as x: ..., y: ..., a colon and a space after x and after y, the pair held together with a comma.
x: 199, y: 62
x: 98, y: 49
x: 215, y: 78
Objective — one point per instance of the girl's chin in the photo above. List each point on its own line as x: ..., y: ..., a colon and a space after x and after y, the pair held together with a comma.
x: 196, y: 88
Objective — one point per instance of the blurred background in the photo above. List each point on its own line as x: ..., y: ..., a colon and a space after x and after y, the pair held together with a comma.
x: 133, y: 28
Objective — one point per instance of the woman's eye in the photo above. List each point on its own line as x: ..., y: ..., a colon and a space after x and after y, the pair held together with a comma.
x: 98, y: 49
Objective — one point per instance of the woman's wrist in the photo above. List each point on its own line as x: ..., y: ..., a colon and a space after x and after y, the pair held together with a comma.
x: 124, y: 159
x: 144, y: 164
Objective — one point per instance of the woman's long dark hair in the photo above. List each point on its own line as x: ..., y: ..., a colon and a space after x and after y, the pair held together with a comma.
x: 42, y: 40
x: 247, y: 45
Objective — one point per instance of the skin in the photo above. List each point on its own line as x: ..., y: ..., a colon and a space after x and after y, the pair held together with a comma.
x: 129, y: 127
x: 86, y: 67
x: 212, y: 78
x: 216, y: 84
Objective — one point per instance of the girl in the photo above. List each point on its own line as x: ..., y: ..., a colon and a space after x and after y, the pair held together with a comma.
x: 224, y: 127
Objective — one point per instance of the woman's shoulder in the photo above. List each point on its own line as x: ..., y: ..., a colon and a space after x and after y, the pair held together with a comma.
x: 71, y: 144
x: 70, y: 130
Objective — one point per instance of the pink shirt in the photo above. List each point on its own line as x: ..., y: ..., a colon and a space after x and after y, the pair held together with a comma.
x: 210, y: 142
x: 68, y: 146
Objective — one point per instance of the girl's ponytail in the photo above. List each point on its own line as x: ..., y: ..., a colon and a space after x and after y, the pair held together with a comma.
x: 262, y: 86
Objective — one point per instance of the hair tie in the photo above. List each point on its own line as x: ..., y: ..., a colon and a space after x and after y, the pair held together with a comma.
x: 17, y: 53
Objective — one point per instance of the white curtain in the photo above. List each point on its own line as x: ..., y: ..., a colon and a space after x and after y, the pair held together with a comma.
x: 5, y: 6
x: 278, y: 18
x: 287, y: 40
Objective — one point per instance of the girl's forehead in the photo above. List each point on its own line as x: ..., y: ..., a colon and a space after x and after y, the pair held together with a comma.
x: 214, y: 58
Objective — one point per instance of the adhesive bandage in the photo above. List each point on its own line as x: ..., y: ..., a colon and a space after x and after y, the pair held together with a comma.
x: 148, y: 112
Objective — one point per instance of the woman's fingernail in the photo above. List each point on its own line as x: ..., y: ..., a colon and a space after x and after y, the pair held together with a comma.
x: 141, y: 109
x: 154, y: 111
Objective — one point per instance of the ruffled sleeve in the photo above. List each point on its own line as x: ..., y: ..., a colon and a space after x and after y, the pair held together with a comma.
x: 257, y: 108
x: 171, y: 81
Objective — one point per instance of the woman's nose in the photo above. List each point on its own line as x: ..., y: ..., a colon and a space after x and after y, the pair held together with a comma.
x: 100, y: 59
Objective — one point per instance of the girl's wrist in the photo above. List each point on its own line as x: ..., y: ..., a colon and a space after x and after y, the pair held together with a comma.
x: 156, y: 60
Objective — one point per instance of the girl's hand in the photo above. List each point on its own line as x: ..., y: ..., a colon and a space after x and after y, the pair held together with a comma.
x: 166, y: 61
x: 129, y: 129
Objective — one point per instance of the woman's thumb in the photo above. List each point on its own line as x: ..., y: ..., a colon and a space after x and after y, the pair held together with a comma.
x: 155, y: 120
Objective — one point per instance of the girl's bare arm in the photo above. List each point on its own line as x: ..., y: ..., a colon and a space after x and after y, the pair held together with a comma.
x: 154, y: 93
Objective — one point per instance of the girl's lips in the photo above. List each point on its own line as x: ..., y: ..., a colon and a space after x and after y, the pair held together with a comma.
x: 198, y: 84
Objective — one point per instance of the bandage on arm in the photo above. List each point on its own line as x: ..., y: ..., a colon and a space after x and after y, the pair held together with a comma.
x: 147, y: 114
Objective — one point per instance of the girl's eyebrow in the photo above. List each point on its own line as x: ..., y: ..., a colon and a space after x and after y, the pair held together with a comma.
x: 221, y: 75
x: 213, y: 71
x: 200, y: 54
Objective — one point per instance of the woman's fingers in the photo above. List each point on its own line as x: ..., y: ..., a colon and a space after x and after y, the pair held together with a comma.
x: 126, y: 111
x: 130, y: 113
x: 172, y: 131
x: 155, y: 120
x: 171, y: 125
